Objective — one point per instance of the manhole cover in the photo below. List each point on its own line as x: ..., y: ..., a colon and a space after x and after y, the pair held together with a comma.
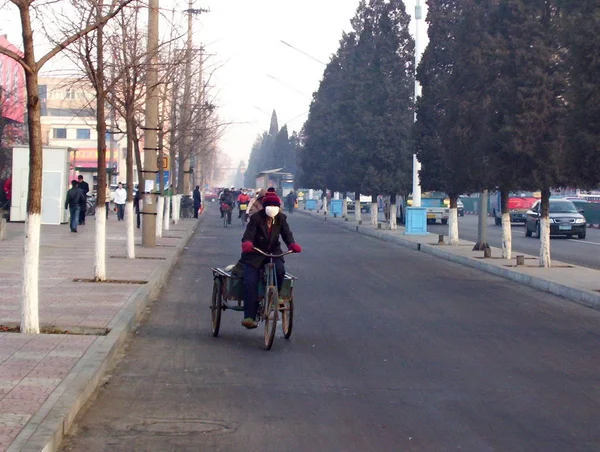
x: 179, y: 427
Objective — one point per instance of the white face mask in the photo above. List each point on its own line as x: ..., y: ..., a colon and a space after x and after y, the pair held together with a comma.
x: 272, y: 211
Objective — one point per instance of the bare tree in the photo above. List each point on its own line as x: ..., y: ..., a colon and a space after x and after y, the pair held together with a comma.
x: 32, y: 66
x: 89, y: 51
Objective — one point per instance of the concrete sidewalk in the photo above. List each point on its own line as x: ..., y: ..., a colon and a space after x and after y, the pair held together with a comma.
x: 578, y: 284
x: 46, y: 378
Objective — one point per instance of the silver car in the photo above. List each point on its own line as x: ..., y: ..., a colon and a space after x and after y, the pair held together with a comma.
x: 564, y: 217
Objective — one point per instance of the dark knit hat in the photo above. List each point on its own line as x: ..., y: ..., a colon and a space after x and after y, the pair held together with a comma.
x: 271, y: 199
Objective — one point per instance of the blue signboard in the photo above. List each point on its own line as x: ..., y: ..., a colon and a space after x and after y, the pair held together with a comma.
x: 167, y: 180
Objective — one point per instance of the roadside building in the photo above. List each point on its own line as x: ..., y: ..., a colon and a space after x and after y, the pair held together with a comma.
x: 69, y: 120
x: 12, y: 108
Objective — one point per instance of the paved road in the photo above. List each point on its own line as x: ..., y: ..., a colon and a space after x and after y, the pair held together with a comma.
x: 573, y: 251
x: 392, y: 350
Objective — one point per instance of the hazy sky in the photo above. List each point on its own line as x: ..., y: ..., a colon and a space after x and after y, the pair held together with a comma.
x: 252, y: 71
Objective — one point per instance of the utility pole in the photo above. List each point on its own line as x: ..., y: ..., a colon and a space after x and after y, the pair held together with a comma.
x: 112, y: 130
x: 196, y: 163
x: 183, y: 185
x: 150, y: 192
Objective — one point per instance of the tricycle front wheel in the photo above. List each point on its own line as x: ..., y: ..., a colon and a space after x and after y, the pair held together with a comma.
x: 216, y: 306
x: 270, y: 316
x: 287, y: 317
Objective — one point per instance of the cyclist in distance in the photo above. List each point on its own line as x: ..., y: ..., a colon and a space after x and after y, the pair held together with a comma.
x: 243, y: 199
x: 263, y: 232
x: 227, y: 199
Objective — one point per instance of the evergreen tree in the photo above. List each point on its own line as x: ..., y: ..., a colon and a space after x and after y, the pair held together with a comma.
x: 274, y: 128
x: 254, y: 165
x: 291, y: 159
x: 357, y: 135
x: 385, y: 55
x: 451, y: 135
x: 327, y: 134
x: 581, y: 35
x: 528, y: 101
x: 279, y: 151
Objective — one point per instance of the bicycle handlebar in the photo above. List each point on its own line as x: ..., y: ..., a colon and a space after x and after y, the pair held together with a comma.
x: 271, y: 255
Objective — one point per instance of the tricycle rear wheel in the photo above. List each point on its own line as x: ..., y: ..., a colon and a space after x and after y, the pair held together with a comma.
x: 287, y: 317
x: 270, y: 316
x: 216, y: 306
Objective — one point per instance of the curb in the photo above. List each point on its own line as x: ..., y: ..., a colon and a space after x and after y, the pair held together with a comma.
x: 47, y: 427
x: 580, y: 296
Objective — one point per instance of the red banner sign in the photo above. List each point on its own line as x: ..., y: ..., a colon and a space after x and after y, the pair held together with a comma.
x: 12, y: 82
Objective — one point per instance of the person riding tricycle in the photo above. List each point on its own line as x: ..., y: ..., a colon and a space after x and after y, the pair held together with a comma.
x: 263, y: 231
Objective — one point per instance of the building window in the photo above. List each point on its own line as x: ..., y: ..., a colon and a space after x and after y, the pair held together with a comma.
x: 59, y: 133
x: 83, y: 134
x: 70, y: 94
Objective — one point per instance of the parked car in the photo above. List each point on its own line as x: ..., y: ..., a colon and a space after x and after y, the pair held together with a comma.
x: 460, y: 208
x: 518, y: 206
x: 565, y: 219
x: 365, y: 204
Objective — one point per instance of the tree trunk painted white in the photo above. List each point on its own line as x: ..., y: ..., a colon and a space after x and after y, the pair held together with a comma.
x: 344, y: 207
x: 129, y: 230
x: 100, y: 250
x: 160, y: 208
x: 357, y: 212
x: 506, y: 237
x: 453, y: 226
x: 545, y: 243
x: 30, y: 322
x: 325, y: 205
x: 166, y: 218
x: 393, y: 221
x: 374, y: 214
x: 176, y: 209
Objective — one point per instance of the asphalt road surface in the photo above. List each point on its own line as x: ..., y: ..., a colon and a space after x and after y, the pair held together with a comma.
x: 392, y: 350
x: 585, y: 253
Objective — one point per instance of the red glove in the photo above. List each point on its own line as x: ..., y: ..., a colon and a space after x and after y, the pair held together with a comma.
x: 247, y: 247
x: 295, y: 248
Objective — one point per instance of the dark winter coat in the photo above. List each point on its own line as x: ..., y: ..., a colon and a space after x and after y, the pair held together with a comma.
x: 85, y: 188
x: 197, y: 198
x: 75, y: 197
x: 258, y: 234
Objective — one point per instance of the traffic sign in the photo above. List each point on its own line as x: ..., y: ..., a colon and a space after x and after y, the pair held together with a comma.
x: 165, y: 162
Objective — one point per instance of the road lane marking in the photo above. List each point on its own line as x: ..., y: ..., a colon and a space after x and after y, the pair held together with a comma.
x: 584, y: 242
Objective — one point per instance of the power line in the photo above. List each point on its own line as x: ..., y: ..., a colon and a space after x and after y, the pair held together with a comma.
x: 302, y: 52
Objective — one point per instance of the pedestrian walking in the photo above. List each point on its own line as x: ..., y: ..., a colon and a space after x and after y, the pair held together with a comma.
x: 136, y: 206
x: 8, y: 194
x: 85, y: 188
x: 120, y: 199
x: 73, y: 203
x: 197, y: 201
x: 290, y: 201
x: 107, y: 200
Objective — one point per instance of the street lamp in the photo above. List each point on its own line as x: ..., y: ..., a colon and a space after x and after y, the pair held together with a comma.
x: 416, y: 198
x: 416, y: 216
